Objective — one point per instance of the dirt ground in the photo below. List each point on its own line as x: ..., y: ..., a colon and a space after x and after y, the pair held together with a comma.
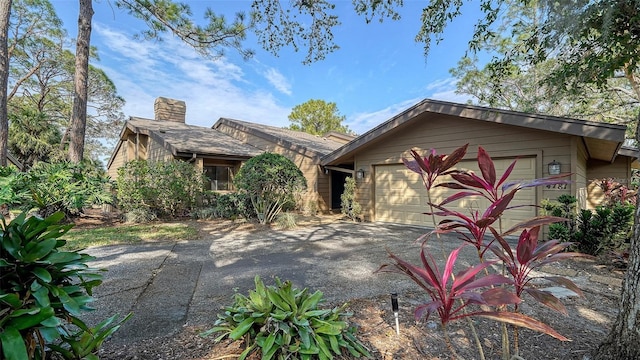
x: 587, y: 323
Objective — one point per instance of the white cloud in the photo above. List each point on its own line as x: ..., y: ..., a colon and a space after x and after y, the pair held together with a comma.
x: 363, y: 122
x: 278, y: 80
x: 441, y: 89
x: 451, y: 96
x: 442, y: 83
x: 445, y: 90
x: 143, y: 71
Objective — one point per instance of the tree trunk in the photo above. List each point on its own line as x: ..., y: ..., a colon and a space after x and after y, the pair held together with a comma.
x: 79, y: 116
x: 5, y: 15
x: 623, y: 341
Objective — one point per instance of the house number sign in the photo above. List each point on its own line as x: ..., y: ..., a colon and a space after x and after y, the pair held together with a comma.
x: 557, y: 187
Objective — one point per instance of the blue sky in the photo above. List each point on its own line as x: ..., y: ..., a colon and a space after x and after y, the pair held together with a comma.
x: 378, y: 71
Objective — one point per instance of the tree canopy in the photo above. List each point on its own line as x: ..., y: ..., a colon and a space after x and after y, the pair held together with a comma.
x: 317, y: 117
x: 41, y: 71
x: 521, y: 84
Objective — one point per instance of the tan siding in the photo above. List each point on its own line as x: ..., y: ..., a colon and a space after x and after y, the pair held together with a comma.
x: 619, y: 171
x: 581, y: 174
x: 402, y: 198
x: 317, y: 181
x: 118, y: 160
x: 157, y: 152
x: 445, y: 134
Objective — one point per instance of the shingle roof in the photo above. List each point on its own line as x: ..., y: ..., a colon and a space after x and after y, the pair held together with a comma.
x: 289, y: 138
x: 183, y: 138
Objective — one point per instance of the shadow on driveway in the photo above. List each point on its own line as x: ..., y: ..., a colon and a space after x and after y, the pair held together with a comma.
x: 171, y: 285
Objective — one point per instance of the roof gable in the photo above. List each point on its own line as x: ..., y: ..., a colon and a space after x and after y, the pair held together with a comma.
x: 181, y: 139
x: 601, y: 139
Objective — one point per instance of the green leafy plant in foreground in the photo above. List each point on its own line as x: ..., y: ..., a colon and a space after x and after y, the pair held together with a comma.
x: 43, y: 291
x: 284, y: 322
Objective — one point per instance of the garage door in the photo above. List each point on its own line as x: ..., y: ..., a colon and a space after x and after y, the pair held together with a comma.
x: 400, y: 196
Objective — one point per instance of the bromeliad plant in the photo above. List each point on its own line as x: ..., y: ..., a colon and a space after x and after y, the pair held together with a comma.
x: 284, y: 322
x: 43, y: 291
x: 476, y: 285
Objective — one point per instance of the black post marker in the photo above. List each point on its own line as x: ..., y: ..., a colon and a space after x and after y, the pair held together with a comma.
x: 394, y: 306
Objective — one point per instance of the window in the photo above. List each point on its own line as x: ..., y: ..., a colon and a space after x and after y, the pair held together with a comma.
x: 220, y: 178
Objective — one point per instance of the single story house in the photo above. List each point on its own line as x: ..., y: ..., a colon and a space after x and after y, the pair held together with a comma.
x: 386, y: 190
x: 389, y: 192
x: 220, y: 150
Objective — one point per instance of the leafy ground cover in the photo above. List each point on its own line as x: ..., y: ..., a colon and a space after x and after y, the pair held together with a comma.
x: 586, y: 325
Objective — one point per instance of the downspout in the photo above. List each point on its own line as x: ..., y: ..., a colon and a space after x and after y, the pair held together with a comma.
x: 193, y: 158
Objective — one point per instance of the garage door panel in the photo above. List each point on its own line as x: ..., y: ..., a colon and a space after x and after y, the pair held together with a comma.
x: 400, y: 196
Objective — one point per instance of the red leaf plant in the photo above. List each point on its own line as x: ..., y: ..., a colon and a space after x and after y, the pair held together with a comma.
x: 432, y: 166
x: 530, y: 255
x: 488, y: 186
x: 476, y: 225
x: 444, y: 289
x: 499, y: 192
x: 451, y: 295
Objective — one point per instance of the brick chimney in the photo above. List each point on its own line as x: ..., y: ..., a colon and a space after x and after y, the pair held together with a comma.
x: 166, y: 109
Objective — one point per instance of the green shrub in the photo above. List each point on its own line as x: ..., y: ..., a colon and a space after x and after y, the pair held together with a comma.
x: 286, y: 221
x: 163, y: 188
x: 63, y: 186
x: 177, y: 185
x: 592, y: 232
x: 11, y: 194
x: 284, y: 322
x: 140, y: 216
x: 224, y: 206
x: 272, y: 183
x: 350, y: 207
x: 133, y: 190
x: 43, y: 291
x: 607, y: 228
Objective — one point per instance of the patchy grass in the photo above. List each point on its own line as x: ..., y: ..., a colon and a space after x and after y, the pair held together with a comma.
x: 129, y: 234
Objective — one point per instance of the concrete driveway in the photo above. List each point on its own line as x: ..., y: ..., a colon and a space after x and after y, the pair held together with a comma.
x: 173, y: 284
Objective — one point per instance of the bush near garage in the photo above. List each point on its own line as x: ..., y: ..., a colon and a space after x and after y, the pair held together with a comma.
x: 272, y: 183
x: 607, y: 228
x: 230, y: 205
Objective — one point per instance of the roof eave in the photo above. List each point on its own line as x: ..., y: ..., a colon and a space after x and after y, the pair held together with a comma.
x: 602, y: 131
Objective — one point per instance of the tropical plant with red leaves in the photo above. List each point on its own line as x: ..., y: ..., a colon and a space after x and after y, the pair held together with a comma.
x: 465, y: 287
x: 475, y: 224
x: 450, y: 295
x: 615, y: 192
x: 489, y: 186
x: 432, y: 166
x: 500, y: 192
x: 529, y: 256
